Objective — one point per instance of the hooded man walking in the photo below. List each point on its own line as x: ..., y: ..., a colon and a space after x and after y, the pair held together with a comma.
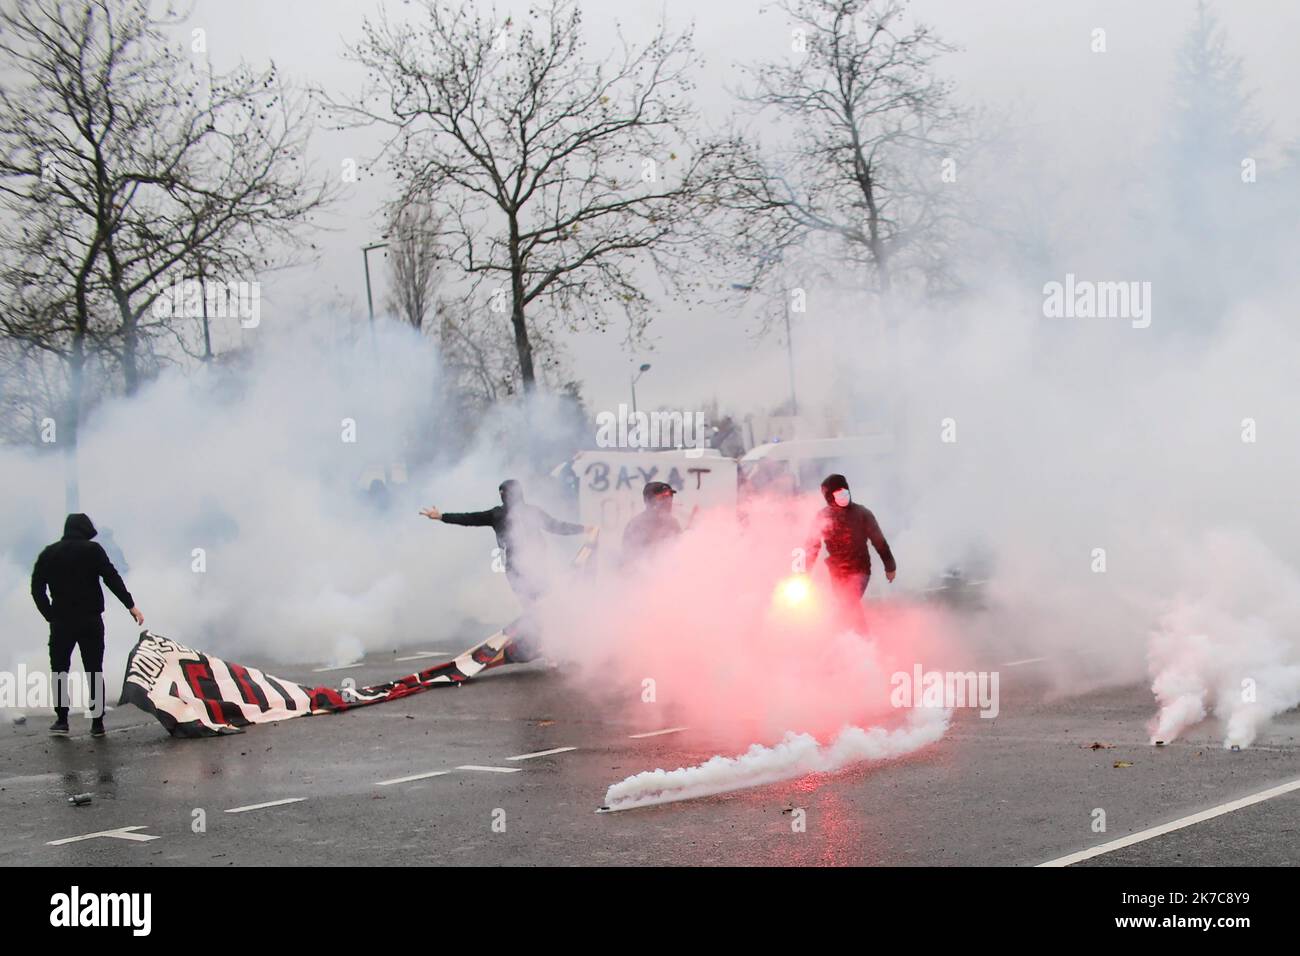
x: 846, y: 528
x: 70, y: 571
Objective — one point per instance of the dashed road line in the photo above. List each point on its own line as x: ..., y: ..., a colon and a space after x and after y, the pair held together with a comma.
x: 1144, y: 835
x: 657, y: 733
x: 421, y: 655
x: 413, y: 777
x: 490, y: 769
x: 543, y: 753
x: 338, y: 667
x: 263, y: 806
x: 1027, y: 660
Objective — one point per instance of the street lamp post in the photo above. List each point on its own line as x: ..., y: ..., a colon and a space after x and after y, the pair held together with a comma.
x: 374, y: 346
x: 645, y: 367
x: 789, y: 355
x: 370, y: 302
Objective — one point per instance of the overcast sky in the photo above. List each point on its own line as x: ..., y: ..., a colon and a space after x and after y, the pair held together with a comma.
x: 1029, y: 56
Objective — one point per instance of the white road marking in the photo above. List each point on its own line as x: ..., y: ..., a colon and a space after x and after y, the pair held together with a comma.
x: 121, y: 833
x: 658, y: 733
x: 490, y: 769
x: 416, y: 776
x: 543, y: 753
x: 422, y: 655
x: 947, y: 587
x: 1027, y: 660
x: 1164, y: 828
x: 340, y: 667
x: 263, y: 806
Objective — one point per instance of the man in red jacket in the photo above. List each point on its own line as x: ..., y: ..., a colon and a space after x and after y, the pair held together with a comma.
x: 847, y: 528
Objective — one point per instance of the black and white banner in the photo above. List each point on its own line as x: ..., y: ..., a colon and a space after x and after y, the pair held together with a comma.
x: 197, y: 695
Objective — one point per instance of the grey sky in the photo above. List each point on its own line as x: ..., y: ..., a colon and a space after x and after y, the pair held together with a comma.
x: 1097, y: 113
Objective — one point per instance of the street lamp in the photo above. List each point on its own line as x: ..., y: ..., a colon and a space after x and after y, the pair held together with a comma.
x: 645, y: 367
x: 374, y: 346
x: 789, y: 355
x: 370, y: 302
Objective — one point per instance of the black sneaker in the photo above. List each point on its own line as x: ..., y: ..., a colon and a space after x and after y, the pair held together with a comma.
x: 97, y: 728
x: 59, y: 728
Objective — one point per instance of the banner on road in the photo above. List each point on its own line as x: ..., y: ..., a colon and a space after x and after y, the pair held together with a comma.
x: 197, y: 695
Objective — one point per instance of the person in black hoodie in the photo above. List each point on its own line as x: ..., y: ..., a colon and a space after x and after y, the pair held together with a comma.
x: 518, y: 526
x: 847, y: 528
x: 70, y: 571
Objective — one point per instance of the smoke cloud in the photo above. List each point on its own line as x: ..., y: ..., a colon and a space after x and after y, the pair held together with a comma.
x: 239, y: 497
x: 1124, y: 483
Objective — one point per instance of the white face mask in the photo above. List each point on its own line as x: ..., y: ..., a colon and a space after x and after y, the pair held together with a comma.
x: 841, y: 497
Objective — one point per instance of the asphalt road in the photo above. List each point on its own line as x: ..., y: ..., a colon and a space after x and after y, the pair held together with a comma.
x: 1018, y: 790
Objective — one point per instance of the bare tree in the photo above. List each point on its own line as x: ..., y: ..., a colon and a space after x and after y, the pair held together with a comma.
x: 478, y: 353
x: 122, y: 166
x: 556, y: 177
x: 413, y: 254
x: 874, y: 126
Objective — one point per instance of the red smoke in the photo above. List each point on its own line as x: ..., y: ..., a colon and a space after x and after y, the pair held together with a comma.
x: 715, y: 633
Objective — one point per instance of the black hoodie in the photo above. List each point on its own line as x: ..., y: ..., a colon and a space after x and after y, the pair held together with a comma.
x: 846, y: 532
x: 71, y: 569
x: 518, y: 526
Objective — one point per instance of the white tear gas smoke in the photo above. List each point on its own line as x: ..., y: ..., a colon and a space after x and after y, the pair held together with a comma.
x: 1116, y: 487
x: 1227, y: 648
x: 1128, y: 479
x: 241, y: 497
x: 795, y: 756
x: 1128, y: 486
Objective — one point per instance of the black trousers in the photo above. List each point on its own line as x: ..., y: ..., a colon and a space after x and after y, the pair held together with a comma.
x: 88, y: 634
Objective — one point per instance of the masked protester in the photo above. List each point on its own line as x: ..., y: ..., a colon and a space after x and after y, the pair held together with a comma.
x: 846, y: 528
x: 652, y: 527
x: 518, y: 526
x: 65, y: 587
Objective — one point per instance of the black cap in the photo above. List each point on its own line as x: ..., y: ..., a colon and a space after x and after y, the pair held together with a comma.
x: 653, y: 489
